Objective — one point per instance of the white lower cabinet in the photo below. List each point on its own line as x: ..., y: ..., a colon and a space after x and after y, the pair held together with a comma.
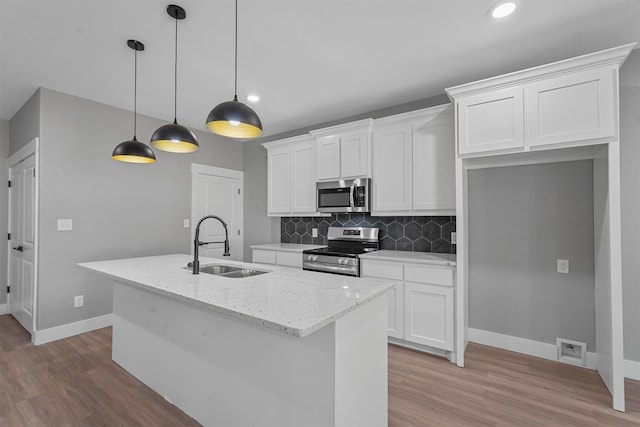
x: 428, y: 315
x: 286, y: 258
x: 421, y: 306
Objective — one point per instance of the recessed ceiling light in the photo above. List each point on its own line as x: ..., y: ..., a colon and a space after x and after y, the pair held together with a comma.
x: 253, y: 98
x: 502, y: 10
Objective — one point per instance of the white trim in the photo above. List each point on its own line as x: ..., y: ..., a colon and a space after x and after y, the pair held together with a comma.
x: 632, y: 369
x: 30, y: 148
x: 71, y: 329
x: 449, y: 355
x: 3, y: 308
x: 212, y: 170
x: 524, y: 346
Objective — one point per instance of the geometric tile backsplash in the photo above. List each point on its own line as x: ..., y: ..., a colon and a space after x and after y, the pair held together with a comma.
x: 401, y: 233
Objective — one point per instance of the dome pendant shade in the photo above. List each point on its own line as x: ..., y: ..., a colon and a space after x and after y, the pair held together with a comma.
x: 174, y: 138
x: 133, y: 151
x: 235, y: 120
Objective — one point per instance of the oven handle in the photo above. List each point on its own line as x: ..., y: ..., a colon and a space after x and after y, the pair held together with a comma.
x: 314, y: 266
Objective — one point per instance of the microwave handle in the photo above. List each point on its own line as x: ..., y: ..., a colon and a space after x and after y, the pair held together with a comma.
x: 352, y: 191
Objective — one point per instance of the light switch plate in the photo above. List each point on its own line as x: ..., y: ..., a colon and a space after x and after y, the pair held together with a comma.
x: 65, y: 225
x: 314, y: 232
x: 563, y: 266
x: 454, y: 240
x: 185, y: 223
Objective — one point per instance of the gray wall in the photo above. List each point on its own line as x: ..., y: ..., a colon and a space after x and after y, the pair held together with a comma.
x: 4, y: 204
x: 521, y: 219
x: 630, y: 183
x: 258, y: 227
x: 119, y: 210
x: 25, y: 124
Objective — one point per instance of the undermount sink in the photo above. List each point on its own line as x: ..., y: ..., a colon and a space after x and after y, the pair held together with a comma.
x: 229, y: 271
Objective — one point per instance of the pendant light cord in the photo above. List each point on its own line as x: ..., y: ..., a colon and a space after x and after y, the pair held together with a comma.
x: 175, y: 78
x: 235, y: 92
x: 135, y: 90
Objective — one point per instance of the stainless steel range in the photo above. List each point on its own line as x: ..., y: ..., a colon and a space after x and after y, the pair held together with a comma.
x: 342, y: 256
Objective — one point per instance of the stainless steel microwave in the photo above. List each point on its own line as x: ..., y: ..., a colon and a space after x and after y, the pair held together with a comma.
x: 349, y: 195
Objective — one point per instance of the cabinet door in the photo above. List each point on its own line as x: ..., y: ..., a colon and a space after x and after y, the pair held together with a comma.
x: 491, y: 121
x: 264, y: 257
x: 428, y: 314
x: 278, y: 181
x: 291, y: 259
x: 395, y: 326
x: 328, y: 157
x: 303, y: 180
x: 354, y: 155
x: 434, y: 178
x: 391, y: 178
x: 570, y: 108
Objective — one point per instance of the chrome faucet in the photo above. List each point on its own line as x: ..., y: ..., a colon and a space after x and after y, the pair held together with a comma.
x: 197, y: 243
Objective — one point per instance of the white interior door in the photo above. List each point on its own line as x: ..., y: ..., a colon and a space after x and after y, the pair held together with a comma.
x: 22, y: 223
x: 217, y: 191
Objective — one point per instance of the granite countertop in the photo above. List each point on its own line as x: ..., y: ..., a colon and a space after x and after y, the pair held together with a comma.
x: 287, y: 247
x: 292, y: 301
x: 407, y: 256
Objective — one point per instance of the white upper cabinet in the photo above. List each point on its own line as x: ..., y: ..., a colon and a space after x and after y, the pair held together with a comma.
x: 575, y: 107
x: 343, y: 151
x: 291, y: 177
x: 491, y: 121
x: 413, y: 157
x: 564, y: 104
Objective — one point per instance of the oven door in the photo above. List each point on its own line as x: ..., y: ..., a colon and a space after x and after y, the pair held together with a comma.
x: 331, y: 264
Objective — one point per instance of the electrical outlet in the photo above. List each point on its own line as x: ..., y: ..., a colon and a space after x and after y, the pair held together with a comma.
x: 65, y: 225
x: 185, y: 223
x: 454, y: 241
x: 78, y: 301
x: 563, y: 266
x: 314, y: 232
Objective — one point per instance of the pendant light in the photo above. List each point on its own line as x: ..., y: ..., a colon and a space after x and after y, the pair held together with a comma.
x: 233, y: 118
x: 173, y: 137
x: 134, y: 151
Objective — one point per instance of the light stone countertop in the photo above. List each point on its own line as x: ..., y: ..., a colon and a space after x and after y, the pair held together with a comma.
x: 407, y: 256
x: 293, y: 301
x: 286, y: 247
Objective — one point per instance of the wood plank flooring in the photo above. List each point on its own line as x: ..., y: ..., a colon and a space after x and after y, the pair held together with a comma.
x: 73, y: 382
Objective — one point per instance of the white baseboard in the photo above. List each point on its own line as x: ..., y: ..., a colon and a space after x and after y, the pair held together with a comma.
x: 524, y: 346
x: 632, y: 369
x: 3, y: 308
x: 65, y: 331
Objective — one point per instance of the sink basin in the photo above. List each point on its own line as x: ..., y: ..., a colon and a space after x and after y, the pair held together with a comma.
x: 230, y: 271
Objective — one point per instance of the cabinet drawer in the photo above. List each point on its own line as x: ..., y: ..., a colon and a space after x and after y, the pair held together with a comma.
x: 432, y: 275
x: 291, y: 259
x: 385, y: 270
x: 264, y: 257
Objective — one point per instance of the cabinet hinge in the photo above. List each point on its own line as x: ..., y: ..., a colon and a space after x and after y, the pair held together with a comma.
x: 34, y: 173
x: 8, y: 289
x: 238, y: 232
x: 238, y: 191
x: 8, y: 236
x: 9, y: 184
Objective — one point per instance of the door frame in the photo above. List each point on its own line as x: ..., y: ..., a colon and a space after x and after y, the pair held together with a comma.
x: 199, y: 169
x: 31, y: 148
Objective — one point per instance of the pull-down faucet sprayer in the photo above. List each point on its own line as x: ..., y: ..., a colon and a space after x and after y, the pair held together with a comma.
x: 197, y: 243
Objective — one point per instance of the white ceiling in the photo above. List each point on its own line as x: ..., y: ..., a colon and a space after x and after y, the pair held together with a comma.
x: 311, y: 61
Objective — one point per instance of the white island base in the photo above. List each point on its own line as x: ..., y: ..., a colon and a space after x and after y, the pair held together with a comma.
x: 224, y: 371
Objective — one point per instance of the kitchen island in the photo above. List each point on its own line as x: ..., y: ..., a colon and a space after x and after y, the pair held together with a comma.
x: 288, y: 347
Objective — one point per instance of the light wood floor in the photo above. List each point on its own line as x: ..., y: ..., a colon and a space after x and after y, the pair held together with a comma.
x: 73, y: 382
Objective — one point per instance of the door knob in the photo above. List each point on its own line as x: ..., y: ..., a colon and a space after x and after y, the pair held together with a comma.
x: 19, y: 248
